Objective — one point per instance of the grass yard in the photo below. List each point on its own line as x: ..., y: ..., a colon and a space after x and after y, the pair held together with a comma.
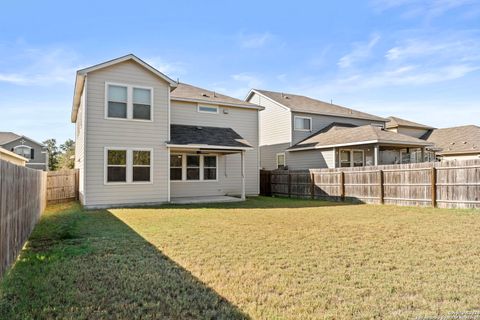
x: 263, y: 259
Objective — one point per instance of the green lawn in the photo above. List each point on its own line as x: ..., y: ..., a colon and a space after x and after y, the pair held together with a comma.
x: 263, y: 259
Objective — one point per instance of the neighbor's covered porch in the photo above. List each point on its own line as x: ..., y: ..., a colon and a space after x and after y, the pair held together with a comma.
x: 206, y: 164
x: 381, y: 154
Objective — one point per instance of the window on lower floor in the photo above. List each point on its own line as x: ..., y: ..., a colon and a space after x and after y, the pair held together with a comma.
x: 117, y: 166
x: 141, y: 166
x: 345, y: 158
x: 280, y: 160
x: 193, y: 167
x: 176, y: 167
x: 358, y: 158
x: 209, y: 168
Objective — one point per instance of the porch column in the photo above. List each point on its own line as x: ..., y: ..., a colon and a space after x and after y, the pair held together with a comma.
x: 422, y: 154
x: 242, y: 155
x: 376, y: 152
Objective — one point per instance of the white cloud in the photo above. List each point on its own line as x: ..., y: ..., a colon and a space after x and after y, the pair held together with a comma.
x: 175, y: 68
x: 40, y: 67
x: 255, y: 40
x: 426, y: 9
x: 360, y: 52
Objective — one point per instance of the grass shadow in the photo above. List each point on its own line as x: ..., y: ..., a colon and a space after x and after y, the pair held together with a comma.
x: 90, y: 265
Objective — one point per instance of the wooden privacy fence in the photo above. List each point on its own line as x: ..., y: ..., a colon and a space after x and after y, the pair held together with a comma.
x: 62, y: 186
x: 22, y: 201
x: 440, y: 184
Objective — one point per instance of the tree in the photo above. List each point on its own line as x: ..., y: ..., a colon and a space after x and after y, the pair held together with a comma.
x: 66, y: 160
x: 52, y: 149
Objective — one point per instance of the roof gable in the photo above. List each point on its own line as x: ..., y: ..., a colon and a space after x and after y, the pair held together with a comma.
x: 8, y: 137
x: 82, y: 73
x: 399, y: 122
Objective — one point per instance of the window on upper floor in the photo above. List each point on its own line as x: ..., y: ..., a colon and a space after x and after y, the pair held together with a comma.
x: 24, y: 151
x: 128, y: 102
x: 207, y: 109
x: 302, y: 123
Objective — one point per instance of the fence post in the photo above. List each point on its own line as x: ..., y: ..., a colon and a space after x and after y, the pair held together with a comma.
x: 289, y: 184
x: 433, y: 179
x: 312, y: 185
x: 382, y: 190
x: 342, y: 185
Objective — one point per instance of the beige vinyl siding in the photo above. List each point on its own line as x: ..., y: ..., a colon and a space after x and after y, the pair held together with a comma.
x: 321, y: 121
x: 103, y: 133
x: 245, y: 123
x: 268, y: 155
x: 310, y: 159
x: 12, y: 157
x: 275, y: 125
x: 413, y: 132
x: 80, y: 147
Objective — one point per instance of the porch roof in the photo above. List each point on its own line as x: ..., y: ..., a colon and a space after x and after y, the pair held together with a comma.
x: 342, y: 134
x: 201, y: 137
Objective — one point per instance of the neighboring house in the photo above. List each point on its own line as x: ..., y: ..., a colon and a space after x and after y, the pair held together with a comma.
x: 142, y: 138
x: 33, y: 151
x: 12, y: 157
x: 456, y: 143
x: 407, y: 127
x: 299, y: 132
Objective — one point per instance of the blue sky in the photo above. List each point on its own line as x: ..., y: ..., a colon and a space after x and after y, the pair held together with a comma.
x: 414, y: 59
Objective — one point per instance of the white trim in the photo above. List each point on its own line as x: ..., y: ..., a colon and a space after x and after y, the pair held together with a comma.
x: 201, y: 167
x: 218, y: 103
x: 247, y: 98
x: 206, y: 146
x: 126, y: 58
x: 284, y: 158
x: 130, y: 88
x: 302, y: 117
x: 168, y: 175
x: 199, y: 105
x: 128, y: 165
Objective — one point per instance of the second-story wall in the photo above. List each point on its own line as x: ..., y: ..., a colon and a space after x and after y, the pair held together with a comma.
x: 243, y: 121
x: 102, y: 133
x: 321, y: 121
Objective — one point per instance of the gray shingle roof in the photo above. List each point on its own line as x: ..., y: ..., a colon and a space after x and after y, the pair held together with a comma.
x: 341, y: 134
x: 6, y: 137
x: 212, y: 136
x: 304, y: 104
x: 454, y: 140
x: 188, y: 92
x: 396, y: 122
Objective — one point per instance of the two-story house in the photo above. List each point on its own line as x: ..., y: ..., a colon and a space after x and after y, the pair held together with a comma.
x: 142, y: 138
x: 33, y: 151
x: 302, y: 133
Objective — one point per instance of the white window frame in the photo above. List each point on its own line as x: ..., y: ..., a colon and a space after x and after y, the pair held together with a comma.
x: 129, y: 165
x: 201, y: 167
x: 202, y: 162
x: 182, y: 167
x: 129, y: 101
x: 351, y: 151
x: 301, y: 117
x: 23, y: 146
x: 199, y: 106
x: 363, y: 157
x: 284, y: 158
